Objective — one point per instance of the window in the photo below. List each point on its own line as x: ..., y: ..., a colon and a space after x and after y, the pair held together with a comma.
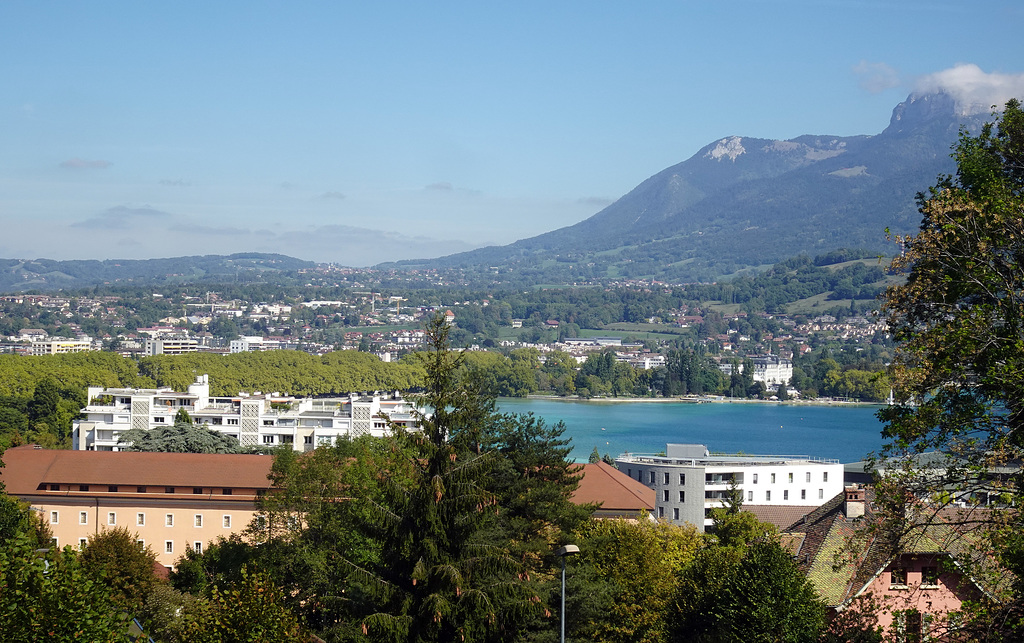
x: 661, y: 512
x: 112, y: 488
x: 159, y: 419
x: 930, y: 576
x: 821, y: 494
x: 773, y: 478
x: 140, y: 519
x: 308, y: 439
x: 750, y: 496
x: 169, y: 520
x: 227, y: 522
x: 682, y: 479
x: 140, y: 490
x: 791, y: 476
x: 269, y: 439
x: 785, y: 494
x: 682, y: 496
x: 83, y: 518
x: 666, y: 477
x: 83, y: 487
x: 168, y: 546
x: 55, y: 487
x: 664, y: 495
x: 111, y: 518
x: 141, y: 543
x: 268, y: 423
x: 675, y: 513
x: 808, y: 476
x: 651, y: 477
x: 198, y: 547
x: 199, y: 520
x: 639, y: 476
x: 81, y: 543
x: 168, y: 489
x: 197, y: 490
x: 898, y: 577
x: 54, y: 517
x: 824, y: 476
x: 767, y: 496
x: 755, y: 478
x: 803, y: 494
x: 233, y: 421
x: 226, y: 492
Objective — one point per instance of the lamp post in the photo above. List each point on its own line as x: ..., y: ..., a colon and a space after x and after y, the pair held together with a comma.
x: 567, y: 550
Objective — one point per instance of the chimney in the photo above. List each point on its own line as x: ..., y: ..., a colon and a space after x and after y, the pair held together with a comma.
x: 854, y: 506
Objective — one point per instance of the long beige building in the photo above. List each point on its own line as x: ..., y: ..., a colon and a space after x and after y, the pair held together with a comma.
x: 171, y: 501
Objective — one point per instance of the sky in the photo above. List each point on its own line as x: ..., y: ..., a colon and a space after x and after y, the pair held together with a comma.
x: 363, y: 132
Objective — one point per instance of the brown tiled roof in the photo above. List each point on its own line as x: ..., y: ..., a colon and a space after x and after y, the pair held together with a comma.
x: 781, y: 516
x: 27, y: 467
x: 612, y: 489
x: 840, y: 556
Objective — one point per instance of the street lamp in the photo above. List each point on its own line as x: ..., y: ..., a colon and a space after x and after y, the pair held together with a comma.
x: 567, y: 550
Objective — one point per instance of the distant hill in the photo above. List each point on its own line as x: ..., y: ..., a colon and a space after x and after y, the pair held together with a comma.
x: 48, y: 274
x: 745, y: 202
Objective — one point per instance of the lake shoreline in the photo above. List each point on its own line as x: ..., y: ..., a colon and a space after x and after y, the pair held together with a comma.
x: 700, y: 400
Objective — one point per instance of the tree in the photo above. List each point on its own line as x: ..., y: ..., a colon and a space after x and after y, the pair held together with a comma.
x: 183, y: 437
x: 958, y: 370
x: 51, y: 597
x: 125, y: 567
x: 437, y: 579
x: 250, y: 610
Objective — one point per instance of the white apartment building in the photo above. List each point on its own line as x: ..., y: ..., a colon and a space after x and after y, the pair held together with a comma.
x: 689, y: 482
x: 252, y: 343
x: 59, y: 346
x: 171, y: 346
x: 270, y: 420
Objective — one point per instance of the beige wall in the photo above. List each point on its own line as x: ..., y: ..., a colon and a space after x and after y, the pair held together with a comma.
x: 168, y: 526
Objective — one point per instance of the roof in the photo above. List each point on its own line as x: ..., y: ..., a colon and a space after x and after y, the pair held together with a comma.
x: 841, y: 555
x: 781, y: 516
x: 29, y: 466
x: 613, y: 490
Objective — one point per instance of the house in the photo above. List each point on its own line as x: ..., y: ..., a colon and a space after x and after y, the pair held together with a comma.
x: 172, y: 501
x: 918, y: 584
x: 690, y: 482
x: 618, y: 495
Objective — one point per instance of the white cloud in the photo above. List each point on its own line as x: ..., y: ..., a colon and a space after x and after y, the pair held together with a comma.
x: 875, y: 78
x: 973, y: 90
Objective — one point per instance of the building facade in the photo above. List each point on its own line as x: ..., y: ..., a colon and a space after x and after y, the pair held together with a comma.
x: 170, y: 501
x: 689, y: 482
x: 254, y: 420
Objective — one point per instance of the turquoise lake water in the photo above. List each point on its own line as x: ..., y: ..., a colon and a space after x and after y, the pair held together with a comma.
x: 847, y: 433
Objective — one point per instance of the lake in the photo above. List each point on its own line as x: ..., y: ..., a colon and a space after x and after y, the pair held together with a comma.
x: 845, y: 432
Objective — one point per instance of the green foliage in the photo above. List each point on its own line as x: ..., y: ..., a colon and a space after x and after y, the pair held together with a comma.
x: 251, y: 610
x: 182, y: 437
x: 124, y: 566
x: 51, y: 597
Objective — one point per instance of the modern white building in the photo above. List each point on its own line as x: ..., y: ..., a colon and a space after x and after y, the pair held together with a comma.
x: 171, y: 345
x: 252, y: 343
x: 60, y: 346
x: 270, y: 420
x: 689, y: 482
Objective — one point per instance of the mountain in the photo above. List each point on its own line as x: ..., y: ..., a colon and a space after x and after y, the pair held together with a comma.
x: 48, y: 274
x: 744, y: 202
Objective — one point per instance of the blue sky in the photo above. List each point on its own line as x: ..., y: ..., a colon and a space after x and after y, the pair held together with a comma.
x: 373, y: 131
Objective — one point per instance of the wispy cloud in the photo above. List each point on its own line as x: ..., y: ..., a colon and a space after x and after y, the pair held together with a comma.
x: 974, y: 90
x: 875, y: 78
x: 209, y: 230
x: 595, y: 201
x: 175, y: 183
x: 120, y: 217
x: 333, y: 195
x: 83, y: 164
x: 442, y: 185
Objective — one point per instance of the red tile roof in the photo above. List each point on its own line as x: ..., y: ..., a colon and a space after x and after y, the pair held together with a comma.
x: 27, y: 467
x: 613, y: 490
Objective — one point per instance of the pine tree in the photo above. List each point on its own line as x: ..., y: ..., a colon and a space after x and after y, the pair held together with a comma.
x: 436, y: 579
